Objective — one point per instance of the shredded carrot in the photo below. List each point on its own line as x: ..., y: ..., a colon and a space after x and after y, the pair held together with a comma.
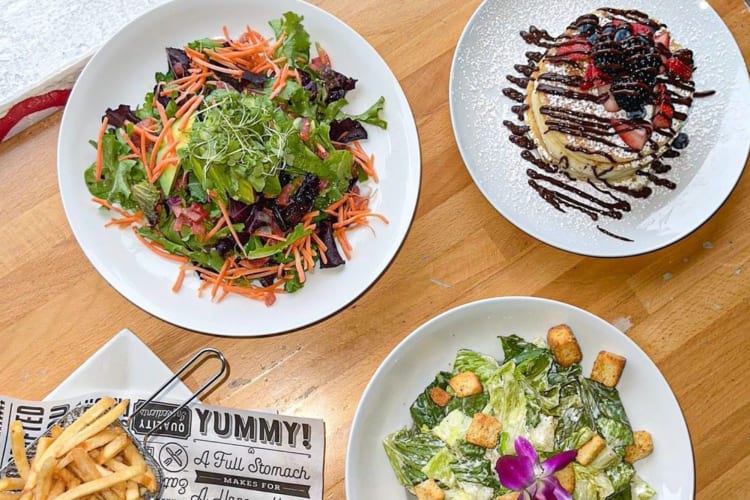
x: 189, y: 112
x: 180, y: 278
x: 100, y: 150
x: 221, y: 276
x: 158, y: 249
x: 228, y: 221
x: 215, y: 229
x: 159, y: 140
x: 144, y: 133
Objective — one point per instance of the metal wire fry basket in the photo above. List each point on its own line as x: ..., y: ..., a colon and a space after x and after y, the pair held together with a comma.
x: 140, y: 444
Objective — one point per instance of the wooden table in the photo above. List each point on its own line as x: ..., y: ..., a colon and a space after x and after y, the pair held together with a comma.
x: 688, y: 305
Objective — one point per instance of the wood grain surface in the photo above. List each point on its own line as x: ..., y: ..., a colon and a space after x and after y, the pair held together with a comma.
x: 687, y: 306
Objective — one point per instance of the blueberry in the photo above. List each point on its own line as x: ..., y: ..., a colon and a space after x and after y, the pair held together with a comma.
x: 609, y: 29
x: 586, y: 29
x: 593, y: 38
x: 622, y: 34
x: 638, y: 114
x: 681, y: 141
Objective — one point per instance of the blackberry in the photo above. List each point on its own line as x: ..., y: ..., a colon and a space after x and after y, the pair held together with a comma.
x: 608, y: 57
x: 630, y: 94
x: 641, y: 59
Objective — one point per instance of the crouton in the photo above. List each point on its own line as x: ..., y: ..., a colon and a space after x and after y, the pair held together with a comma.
x: 439, y: 396
x: 466, y: 384
x: 429, y: 490
x: 564, y: 345
x: 642, y: 447
x: 567, y: 478
x: 588, y: 452
x: 483, y: 431
x: 513, y: 495
x: 608, y: 368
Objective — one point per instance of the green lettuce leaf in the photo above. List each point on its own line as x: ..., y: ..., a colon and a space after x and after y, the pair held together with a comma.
x: 620, y: 476
x: 296, y: 44
x: 608, y: 413
x: 439, y: 468
x: 482, y: 366
x: 508, y: 402
x: 409, y: 451
x: 424, y: 411
x: 640, y: 490
x: 591, y: 484
x: 473, y: 466
x: 452, y: 428
x: 372, y: 114
x: 258, y: 252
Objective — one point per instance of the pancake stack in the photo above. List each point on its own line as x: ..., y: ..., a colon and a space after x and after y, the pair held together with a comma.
x: 610, y: 95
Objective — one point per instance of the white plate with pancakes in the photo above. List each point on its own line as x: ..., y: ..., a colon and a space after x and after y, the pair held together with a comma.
x: 586, y: 195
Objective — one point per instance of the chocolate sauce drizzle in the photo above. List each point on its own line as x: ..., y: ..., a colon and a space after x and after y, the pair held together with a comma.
x: 552, y: 182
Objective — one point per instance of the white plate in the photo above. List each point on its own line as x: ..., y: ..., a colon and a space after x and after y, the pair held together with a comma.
x: 123, y: 365
x: 123, y: 71
x: 705, y: 174
x: 432, y: 347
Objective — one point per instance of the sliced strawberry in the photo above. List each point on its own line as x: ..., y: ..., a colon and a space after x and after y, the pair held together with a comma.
x: 679, y: 69
x: 663, y: 38
x: 661, y: 121
x: 616, y: 22
x: 641, y: 29
x: 635, y: 138
x: 611, y: 104
x: 578, y: 51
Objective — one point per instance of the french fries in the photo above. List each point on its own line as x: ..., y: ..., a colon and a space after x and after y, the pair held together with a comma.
x: 90, y: 458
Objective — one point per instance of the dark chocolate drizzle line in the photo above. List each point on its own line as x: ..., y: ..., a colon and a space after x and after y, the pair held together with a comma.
x: 613, y: 235
x: 704, y: 93
x: 552, y: 182
x: 519, y: 81
x: 519, y: 110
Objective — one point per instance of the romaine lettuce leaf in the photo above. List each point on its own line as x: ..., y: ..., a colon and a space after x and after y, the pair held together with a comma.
x: 481, y: 365
x: 620, y: 476
x: 606, y: 410
x: 470, y: 405
x: 473, y: 466
x: 453, y: 427
x: 470, y: 491
x: 640, y: 490
x: 424, y: 411
x: 409, y: 451
x: 439, y: 468
x: 508, y: 402
x: 591, y: 484
x: 543, y: 435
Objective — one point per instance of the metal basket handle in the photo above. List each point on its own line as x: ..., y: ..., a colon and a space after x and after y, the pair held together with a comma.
x: 207, y: 352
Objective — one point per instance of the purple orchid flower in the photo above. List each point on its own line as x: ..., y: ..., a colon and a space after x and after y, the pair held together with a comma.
x: 534, y: 480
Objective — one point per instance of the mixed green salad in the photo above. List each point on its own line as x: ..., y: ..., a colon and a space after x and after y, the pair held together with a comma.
x: 466, y: 441
x: 241, y: 163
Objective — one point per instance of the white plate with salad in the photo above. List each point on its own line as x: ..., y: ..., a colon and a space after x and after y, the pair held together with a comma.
x: 239, y: 167
x: 476, y: 403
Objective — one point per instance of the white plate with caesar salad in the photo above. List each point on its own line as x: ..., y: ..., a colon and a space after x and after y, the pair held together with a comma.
x: 404, y: 432
x: 700, y: 179
x: 123, y: 71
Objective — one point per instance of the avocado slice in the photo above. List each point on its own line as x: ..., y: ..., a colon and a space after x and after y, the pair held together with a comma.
x: 167, y: 177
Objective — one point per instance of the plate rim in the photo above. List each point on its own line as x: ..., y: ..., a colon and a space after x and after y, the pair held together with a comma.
x: 413, y: 157
x: 533, y: 232
x: 542, y: 301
